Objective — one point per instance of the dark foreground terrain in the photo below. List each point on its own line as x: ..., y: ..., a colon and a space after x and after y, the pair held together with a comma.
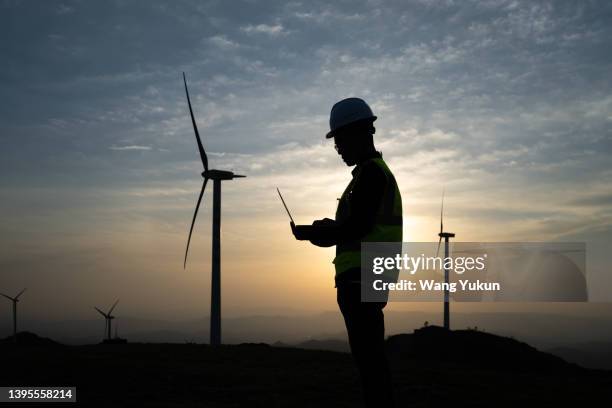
x: 430, y: 368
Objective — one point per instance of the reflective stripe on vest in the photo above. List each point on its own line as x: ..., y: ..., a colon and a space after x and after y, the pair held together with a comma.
x: 387, y: 226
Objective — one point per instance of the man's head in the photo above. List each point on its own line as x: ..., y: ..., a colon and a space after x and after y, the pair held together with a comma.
x: 351, y: 125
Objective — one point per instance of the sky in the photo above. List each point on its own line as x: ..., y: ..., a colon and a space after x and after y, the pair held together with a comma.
x: 507, y: 105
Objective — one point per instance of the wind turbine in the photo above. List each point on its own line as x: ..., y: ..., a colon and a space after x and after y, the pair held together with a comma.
x: 446, y: 236
x: 108, y: 318
x: 14, y: 300
x: 216, y: 176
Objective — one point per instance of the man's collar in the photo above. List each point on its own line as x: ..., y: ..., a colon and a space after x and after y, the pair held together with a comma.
x: 373, y: 155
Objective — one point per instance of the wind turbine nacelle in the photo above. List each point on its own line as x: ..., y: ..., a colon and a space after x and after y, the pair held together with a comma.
x: 219, y: 175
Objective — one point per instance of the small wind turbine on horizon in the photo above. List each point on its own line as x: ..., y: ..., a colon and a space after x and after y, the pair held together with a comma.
x: 217, y: 176
x: 446, y: 236
x: 108, y: 317
x: 14, y: 300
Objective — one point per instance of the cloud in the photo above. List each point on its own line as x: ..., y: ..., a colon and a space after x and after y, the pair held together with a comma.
x: 130, y: 147
x: 223, y: 42
x: 273, y: 30
x: 64, y: 9
x: 328, y: 15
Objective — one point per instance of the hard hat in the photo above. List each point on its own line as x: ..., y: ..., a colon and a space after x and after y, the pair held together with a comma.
x: 348, y: 111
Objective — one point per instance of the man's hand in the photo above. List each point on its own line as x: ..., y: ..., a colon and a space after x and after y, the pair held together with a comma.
x: 315, y: 233
x: 325, y: 222
x: 301, y: 232
x: 322, y: 235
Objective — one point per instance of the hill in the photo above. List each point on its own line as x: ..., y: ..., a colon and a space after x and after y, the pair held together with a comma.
x: 28, y: 339
x: 480, y: 370
x: 473, y: 348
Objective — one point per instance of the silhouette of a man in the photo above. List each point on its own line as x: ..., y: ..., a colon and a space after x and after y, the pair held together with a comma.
x: 369, y: 210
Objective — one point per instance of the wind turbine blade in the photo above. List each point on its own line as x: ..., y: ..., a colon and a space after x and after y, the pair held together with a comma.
x: 195, y: 214
x: 195, y: 128
x: 441, y: 224
x: 7, y: 296
x: 442, y: 214
x: 101, y: 312
x: 17, y: 297
x: 111, y: 309
x: 438, y: 250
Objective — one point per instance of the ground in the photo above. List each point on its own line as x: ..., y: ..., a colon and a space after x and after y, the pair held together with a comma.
x: 257, y: 375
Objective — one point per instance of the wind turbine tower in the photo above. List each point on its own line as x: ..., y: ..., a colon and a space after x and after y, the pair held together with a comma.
x: 108, y: 319
x: 14, y: 300
x: 216, y: 176
x: 446, y: 236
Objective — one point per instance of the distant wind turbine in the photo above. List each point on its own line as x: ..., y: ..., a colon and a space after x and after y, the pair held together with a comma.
x: 14, y: 300
x: 108, y: 317
x: 446, y: 236
x: 217, y: 176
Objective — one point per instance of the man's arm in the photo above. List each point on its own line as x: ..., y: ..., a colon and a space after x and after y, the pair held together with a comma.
x: 365, y: 200
x: 313, y: 233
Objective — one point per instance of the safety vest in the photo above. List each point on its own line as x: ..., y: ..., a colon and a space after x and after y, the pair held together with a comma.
x: 387, y: 226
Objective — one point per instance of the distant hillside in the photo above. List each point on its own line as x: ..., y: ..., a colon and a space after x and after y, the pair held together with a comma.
x: 571, y: 337
x: 468, y: 347
x: 544, y: 331
x: 591, y: 355
x: 28, y: 339
x: 472, y: 348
